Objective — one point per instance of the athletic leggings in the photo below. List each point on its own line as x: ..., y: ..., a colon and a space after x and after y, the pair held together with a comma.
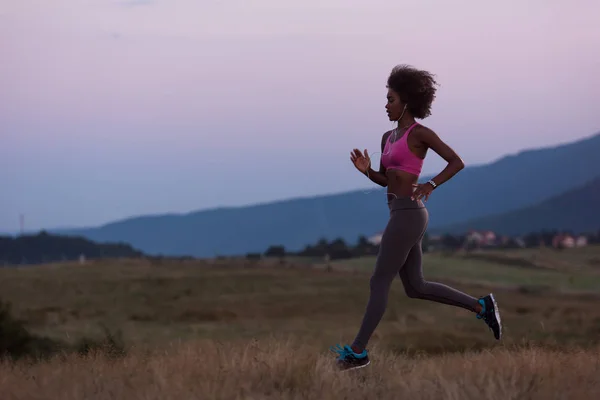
x: 400, y: 254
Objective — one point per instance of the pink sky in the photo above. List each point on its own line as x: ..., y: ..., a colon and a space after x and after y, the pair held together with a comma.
x: 117, y: 108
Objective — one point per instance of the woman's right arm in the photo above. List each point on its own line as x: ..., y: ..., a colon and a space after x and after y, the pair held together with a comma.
x: 379, y: 177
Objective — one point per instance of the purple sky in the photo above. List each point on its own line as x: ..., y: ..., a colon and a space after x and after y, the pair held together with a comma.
x: 116, y: 108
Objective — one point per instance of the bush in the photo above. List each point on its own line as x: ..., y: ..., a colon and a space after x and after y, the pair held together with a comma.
x: 16, y: 342
x: 111, y: 345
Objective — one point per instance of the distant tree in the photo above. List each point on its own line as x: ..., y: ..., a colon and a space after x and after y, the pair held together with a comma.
x: 338, y: 249
x: 364, y: 247
x: 322, y: 246
x: 275, y: 251
x: 318, y: 250
x: 451, y: 241
x: 362, y: 242
x: 309, y: 251
x: 45, y: 247
x: 532, y: 239
x: 253, y: 256
x: 546, y: 237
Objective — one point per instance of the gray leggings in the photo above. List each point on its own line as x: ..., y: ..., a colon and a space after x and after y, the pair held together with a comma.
x: 400, y: 254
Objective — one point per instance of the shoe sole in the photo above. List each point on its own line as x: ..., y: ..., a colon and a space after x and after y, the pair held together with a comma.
x: 357, y: 367
x: 497, y: 314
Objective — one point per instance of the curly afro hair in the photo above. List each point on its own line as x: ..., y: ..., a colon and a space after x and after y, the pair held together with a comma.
x: 415, y: 87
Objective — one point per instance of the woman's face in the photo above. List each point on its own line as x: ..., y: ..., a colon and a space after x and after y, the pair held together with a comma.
x: 394, y: 106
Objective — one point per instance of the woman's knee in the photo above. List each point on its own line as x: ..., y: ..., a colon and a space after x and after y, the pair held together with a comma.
x: 412, y: 293
x: 415, y: 290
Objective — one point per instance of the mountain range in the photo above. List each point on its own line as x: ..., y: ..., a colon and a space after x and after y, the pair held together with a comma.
x: 483, y: 196
x: 576, y: 210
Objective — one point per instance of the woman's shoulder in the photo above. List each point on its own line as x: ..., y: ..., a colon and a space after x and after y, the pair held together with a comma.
x: 422, y: 130
x: 386, y: 134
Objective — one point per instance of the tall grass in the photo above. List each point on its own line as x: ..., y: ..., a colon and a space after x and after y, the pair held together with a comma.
x: 201, y: 330
x: 288, y: 370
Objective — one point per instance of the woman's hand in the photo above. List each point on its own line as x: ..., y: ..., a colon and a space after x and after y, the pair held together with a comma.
x: 362, y: 163
x: 422, y: 190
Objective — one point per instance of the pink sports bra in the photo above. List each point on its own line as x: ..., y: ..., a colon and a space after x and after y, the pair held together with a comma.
x: 397, y: 155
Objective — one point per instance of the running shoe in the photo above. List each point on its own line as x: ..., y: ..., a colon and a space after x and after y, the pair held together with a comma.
x: 348, y: 359
x: 491, y: 315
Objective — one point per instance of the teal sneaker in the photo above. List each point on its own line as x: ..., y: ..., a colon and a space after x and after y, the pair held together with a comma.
x: 348, y: 359
x: 491, y: 315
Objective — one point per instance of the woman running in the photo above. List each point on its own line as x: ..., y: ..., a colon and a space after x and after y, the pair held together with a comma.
x: 410, y: 94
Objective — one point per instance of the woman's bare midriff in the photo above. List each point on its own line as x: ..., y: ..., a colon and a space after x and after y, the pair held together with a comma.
x: 400, y: 183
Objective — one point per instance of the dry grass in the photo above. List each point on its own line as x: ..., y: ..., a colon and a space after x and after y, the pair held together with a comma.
x: 283, y: 370
x: 225, y: 330
x: 151, y: 306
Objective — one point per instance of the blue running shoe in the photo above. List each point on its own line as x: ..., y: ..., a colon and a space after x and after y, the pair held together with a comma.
x: 348, y: 359
x: 491, y: 315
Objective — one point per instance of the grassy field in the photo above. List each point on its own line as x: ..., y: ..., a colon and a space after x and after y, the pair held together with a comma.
x: 273, y: 370
x: 570, y: 270
x: 235, y: 329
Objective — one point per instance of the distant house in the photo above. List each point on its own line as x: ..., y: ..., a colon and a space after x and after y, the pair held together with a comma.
x: 509, y: 242
x: 581, y: 241
x: 436, y: 242
x: 481, y: 238
x: 563, y: 241
x: 520, y: 242
x: 566, y: 241
x: 375, y: 239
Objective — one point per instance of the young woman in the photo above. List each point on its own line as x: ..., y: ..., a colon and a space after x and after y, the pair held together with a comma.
x: 410, y: 94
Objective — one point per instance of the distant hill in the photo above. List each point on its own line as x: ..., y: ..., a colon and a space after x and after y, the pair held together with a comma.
x: 576, y: 210
x: 231, y: 231
x: 511, y: 183
x: 44, y: 248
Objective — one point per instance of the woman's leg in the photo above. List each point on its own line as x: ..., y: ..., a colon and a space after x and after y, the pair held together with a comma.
x: 400, y: 247
x: 417, y: 287
x: 404, y: 229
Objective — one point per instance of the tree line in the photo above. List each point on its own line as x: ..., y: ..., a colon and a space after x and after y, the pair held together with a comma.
x: 339, y: 249
x: 43, y: 248
x: 334, y: 250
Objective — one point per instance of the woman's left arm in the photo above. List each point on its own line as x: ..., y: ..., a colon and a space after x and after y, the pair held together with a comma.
x: 455, y: 163
x: 430, y: 139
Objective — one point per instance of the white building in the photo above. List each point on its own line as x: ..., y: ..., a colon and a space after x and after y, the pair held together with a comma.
x: 375, y: 239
